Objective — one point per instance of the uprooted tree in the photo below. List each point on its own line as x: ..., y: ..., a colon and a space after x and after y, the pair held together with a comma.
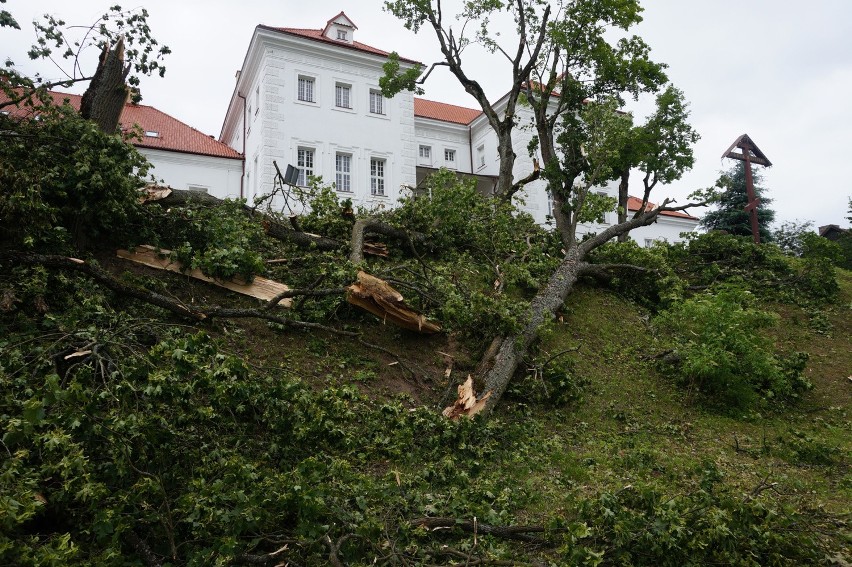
x: 573, y: 78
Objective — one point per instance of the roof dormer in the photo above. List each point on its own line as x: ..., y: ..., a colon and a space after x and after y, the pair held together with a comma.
x: 340, y: 28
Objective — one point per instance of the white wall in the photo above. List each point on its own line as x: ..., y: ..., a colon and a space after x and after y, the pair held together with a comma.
x: 666, y: 228
x: 284, y: 124
x: 218, y: 176
x: 440, y: 137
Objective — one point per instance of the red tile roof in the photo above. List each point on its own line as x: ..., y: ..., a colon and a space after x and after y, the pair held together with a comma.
x: 633, y: 204
x: 444, y: 112
x: 316, y: 35
x: 173, y: 135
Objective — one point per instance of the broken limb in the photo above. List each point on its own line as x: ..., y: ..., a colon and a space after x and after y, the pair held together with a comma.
x: 273, y: 228
x: 386, y: 303
x: 519, y: 533
x: 375, y: 226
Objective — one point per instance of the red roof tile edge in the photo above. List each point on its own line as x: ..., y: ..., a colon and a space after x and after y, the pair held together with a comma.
x: 444, y: 112
x: 173, y: 135
x: 633, y: 204
x: 316, y: 35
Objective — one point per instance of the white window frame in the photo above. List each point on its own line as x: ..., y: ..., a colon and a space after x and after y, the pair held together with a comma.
x: 425, y: 152
x: 378, y: 167
x: 309, y: 97
x: 480, y: 156
x: 343, y: 172
x: 343, y: 91
x: 306, y: 162
x: 449, y: 155
x: 342, y: 35
x: 377, y: 102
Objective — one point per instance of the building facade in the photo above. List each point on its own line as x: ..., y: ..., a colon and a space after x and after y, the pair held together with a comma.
x: 311, y: 98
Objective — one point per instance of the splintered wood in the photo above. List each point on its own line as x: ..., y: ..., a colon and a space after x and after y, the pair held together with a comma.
x: 467, y: 404
x: 261, y: 288
x: 152, y: 193
x: 380, y: 299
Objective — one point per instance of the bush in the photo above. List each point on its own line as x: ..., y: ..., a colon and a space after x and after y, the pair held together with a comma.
x: 654, y: 288
x: 721, y: 352
x: 71, y: 183
x: 715, y: 258
x: 640, y: 526
x: 221, y: 241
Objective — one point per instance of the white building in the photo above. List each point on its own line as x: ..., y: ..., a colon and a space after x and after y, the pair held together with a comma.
x: 311, y: 98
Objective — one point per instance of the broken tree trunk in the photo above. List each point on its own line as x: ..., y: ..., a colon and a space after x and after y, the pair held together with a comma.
x: 375, y: 226
x: 107, y: 94
x: 512, y: 350
x: 260, y: 288
x: 273, y: 228
x: 386, y: 303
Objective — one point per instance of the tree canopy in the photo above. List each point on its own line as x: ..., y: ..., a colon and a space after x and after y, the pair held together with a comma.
x: 730, y: 214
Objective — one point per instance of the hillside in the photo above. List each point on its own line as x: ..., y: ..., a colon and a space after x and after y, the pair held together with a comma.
x: 239, y: 442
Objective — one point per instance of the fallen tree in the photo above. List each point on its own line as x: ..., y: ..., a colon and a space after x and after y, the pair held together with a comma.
x: 573, y: 78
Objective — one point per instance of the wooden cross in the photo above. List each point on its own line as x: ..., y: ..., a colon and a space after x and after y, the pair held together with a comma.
x: 750, y: 154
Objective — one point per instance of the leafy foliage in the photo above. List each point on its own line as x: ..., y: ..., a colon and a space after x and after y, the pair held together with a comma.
x: 655, y: 287
x: 73, y: 183
x: 721, y: 351
x: 641, y: 526
x: 56, y: 40
x: 715, y: 258
x: 221, y: 241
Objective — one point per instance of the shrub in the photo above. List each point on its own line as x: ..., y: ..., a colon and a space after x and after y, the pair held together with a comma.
x: 221, y: 241
x: 71, y: 182
x: 715, y: 258
x: 720, y: 350
x: 640, y: 526
x: 654, y: 288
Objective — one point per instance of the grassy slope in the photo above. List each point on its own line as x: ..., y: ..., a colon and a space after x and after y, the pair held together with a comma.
x: 635, y: 425
x: 632, y: 424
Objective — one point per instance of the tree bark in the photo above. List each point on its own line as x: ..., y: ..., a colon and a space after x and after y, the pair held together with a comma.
x: 544, y: 305
x: 513, y: 349
x: 623, y: 196
x: 372, y: 225
x: 107, y: 94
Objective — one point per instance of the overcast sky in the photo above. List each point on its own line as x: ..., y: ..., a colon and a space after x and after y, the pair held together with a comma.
x: 778, y: 70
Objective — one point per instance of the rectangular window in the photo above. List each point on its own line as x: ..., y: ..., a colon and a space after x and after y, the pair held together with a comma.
x: 377, y: 176
x: 450, y: 156
x: 341, y: 34
x: 342, y: 96
x: 306, y: 89
x: 343, y: 172
x: 377, y: 102
x: 480, y: 155
x: 256, y: 100
x: 649, y: 242
x: 305, y: 163
x: 426, y: 152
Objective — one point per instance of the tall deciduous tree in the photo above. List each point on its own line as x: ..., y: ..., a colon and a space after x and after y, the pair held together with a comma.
x: 661, y: 149
x: 574, y: 75
x: 730, y: 215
